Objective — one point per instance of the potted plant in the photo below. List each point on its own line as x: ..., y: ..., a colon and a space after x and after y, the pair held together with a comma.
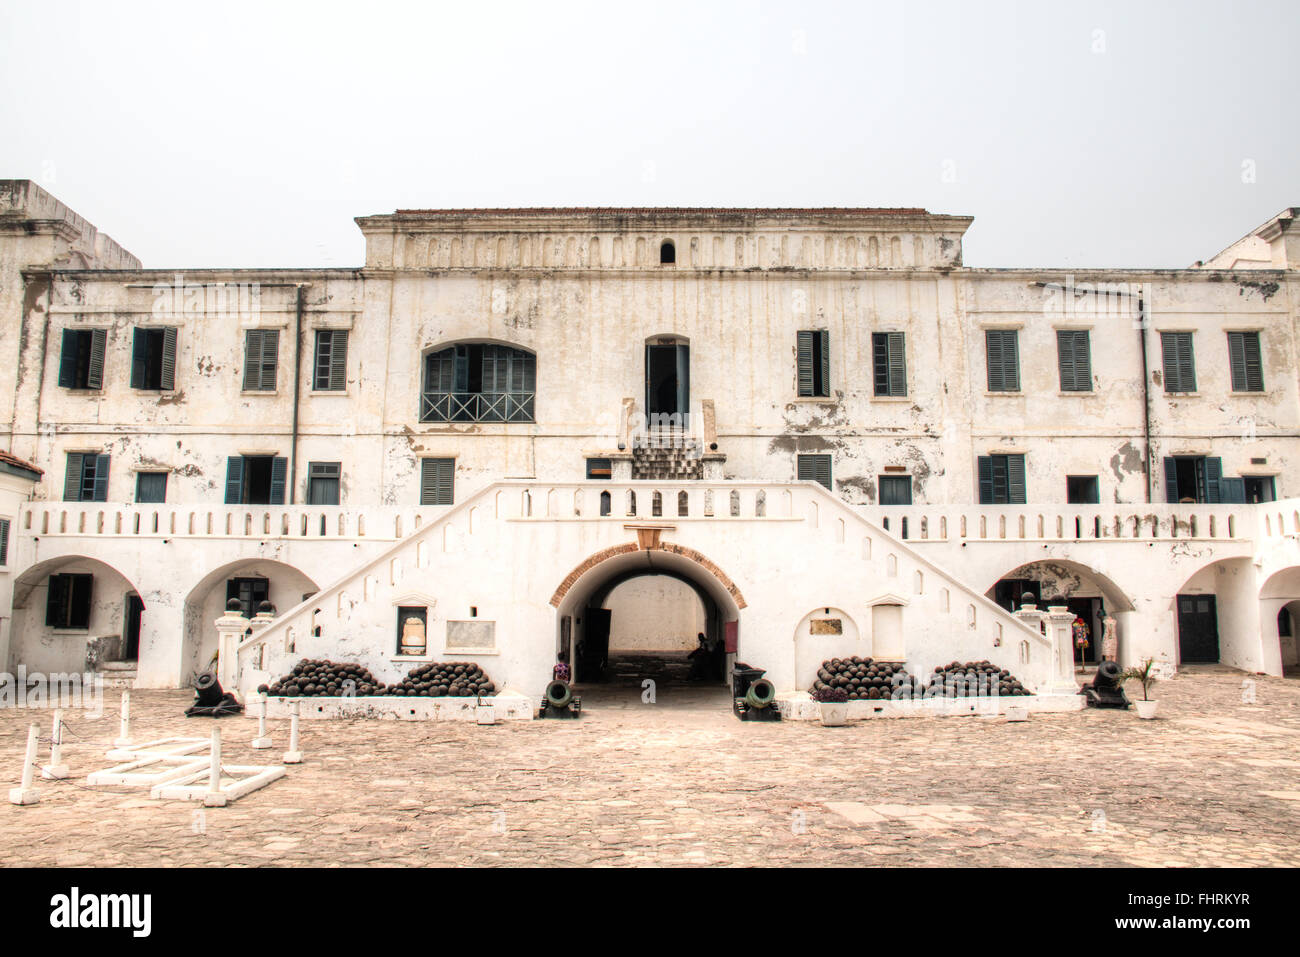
x: 834, y: 705
x: 1146, y: 708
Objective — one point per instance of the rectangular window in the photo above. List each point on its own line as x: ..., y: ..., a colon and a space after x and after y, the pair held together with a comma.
x: 68, y: 602
x: 436, y: 476
x: 4, y: 542
x: 251, y: 592
x: 1082, y: 490
x: 1179, y: 363
x: 151, y: 487
x: 1002, y: 479
x: 323, y: 483
x: 81, y: 363
x: 420, y: 626
x: 1198, y: 479
x: 331, y: 367
x: 1002, y: 351
x: 895, y: 489
x: 889, y: 363
x: 1259, y: 488
x: 599, y: 469
x: 814, y: 362
x: 815, y: 468
x: 1247, y: 367
x: 86, y: 478
x: 256, y: 479
x: 153, y: 359
x: 1074, y: 360
x: 261, y: 351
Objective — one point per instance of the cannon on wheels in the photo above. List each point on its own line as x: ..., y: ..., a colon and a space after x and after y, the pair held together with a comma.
x: 559, y: 701
x: 753, y: 697
x: 1106, y: 690
x: 210, y: 701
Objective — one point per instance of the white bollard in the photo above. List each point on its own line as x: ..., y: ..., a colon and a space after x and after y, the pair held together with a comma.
x: 263, y: 740
x: 124, y: 731
x: 56, y: 770
x: 25, y: 793
x: 214, y: 797
x: 294, y: 754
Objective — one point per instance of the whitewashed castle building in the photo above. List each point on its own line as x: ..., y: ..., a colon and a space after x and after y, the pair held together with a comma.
x: 814, y: 432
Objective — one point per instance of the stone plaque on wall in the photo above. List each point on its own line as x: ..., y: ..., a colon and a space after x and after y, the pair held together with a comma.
x: 826, y: 626
x: 473, y: 635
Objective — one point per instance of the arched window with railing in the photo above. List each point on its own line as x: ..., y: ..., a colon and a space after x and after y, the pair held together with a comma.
x: 479, y: 382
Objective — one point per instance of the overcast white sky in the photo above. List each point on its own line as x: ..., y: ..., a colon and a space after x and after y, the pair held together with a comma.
x: 250, y: 134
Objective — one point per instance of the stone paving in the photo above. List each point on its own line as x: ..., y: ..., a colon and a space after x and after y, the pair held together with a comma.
x: 1214, y: 781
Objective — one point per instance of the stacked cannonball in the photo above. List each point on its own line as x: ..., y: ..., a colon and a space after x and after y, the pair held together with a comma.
x: 311, y: 678
x: 864, y: 678
x: 960, y: 679
x: 455, y: 679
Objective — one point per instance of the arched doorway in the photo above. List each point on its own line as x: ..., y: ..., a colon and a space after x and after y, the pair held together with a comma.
x: 1279, y: 612
x: 668, y: 595
x: 252, y: 581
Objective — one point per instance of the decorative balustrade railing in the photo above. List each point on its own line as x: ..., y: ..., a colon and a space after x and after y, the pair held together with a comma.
x: 477, y: 406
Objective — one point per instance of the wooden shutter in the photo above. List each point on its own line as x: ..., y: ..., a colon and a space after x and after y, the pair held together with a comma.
x: 1232, y: 491
x: 279, y: 473
x: 897, y: 364
x: 1244, y: 359
x: 824, y: 338
x: 72, y: 477
x: 68, y: 360
x: 436, y: 477
x: 139, y: 358
x: 100, y: 492
x: 1171, y: 479
x: 1213, y: 475
x: 1016, y: 480
x: 804, y: 363
x: 1179, y: 367
x: 880, y: 362
x: 1074, y: 360
x: 95, y: 372
x: 56, y: 601
x: 261, y: 347
x: 167, y: 380
x: 4, y: 541
x: 1003, y: 360
x: 338, y: 360
x: 815, y: 468
x: 985, y: 469
x: 234, y: 479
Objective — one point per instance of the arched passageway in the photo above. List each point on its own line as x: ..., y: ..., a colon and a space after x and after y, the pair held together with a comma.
x: 634, y: 615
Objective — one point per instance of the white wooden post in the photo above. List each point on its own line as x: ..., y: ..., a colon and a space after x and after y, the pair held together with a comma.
x: 214, y: 797
x: 263, y: 740
x: 25, y: 793
x: 56, y: 770
x: 294, y: 754
x: 124, y: 729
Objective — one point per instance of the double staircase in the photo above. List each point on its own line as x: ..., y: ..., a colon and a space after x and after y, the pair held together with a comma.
x: 670, y: 455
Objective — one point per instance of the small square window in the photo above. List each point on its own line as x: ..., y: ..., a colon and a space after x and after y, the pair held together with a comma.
x: 323, y: 483
x: 599, y: 468
x: 151, y: 487
x: 895, y: 490
x: 68, y: 603
x: 1082, y: 490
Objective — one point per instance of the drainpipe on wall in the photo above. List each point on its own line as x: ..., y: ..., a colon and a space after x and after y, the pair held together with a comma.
x: 297, y: 391
x: 1146, y: 395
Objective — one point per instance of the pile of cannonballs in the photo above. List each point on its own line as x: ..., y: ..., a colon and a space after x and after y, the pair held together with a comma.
x: 313, y: 678
x: 864, y: 678
x: 973, y: 678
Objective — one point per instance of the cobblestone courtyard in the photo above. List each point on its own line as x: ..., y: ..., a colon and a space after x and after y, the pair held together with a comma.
x: 1214, y: 781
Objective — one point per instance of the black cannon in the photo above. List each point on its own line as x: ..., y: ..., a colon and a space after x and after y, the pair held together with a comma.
x: 1105, y: 690
x: 210, y: 701
x: 753, y: 697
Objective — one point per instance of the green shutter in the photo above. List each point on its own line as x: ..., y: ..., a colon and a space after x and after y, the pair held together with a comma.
x: 1179, y: 367
x: 984, y: 466
x: 1016, y: 480
x: 1232, y: 491
x: 814, y: 468
x: 338, y: 360
x: 95, y: 373
x: 436, y: 477
x: 824, y: 338
x: 897, y: 364
x: 100, y: 492
x: 1074, y: 360
x: 805, y: 363
x: 1213, y: 474
x: 253, y: 360
x: 68, y: 360
x: 139, y: 358
x: 1245, y: 361
x: 1003, y: 357
x: 4, y: 541
x: 72, y: 477
x: 234, y: 479
x: 1171, y: 479
x: 168, y: 376
x: 279, y: 474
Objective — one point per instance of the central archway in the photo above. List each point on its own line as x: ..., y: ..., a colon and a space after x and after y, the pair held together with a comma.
x: 584, y: 608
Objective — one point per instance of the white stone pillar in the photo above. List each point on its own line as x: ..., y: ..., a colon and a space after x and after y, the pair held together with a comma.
x: 1060, y: 629
x: 230, y: 632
